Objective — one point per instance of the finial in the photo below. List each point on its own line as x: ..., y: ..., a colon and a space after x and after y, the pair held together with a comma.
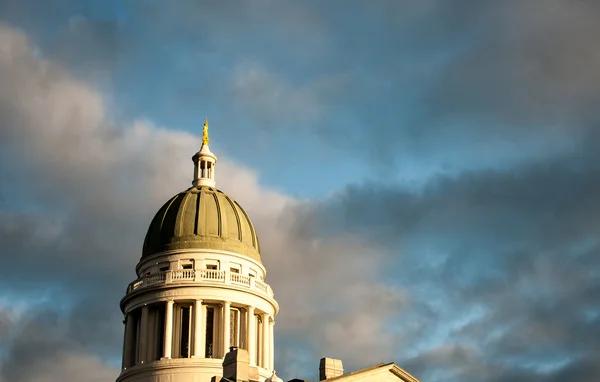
x: 205, y: 132
x: 204, y: 162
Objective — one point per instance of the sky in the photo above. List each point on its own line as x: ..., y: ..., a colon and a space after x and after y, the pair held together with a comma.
x: 423, y: 176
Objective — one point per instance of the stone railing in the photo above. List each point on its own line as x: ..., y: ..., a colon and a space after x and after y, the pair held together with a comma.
x: 182, y: 274
x: 200, y: 276
x: 240, y: 279
x: 264, y: 287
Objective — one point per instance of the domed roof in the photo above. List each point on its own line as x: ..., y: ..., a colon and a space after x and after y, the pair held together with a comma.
x: 202, y: 217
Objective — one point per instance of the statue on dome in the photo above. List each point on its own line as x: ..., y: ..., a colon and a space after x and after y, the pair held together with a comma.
x: 205, y: 133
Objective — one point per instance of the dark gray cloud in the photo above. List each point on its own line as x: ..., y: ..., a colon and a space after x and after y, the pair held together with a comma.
x: 40, y: 350
x: 506, y: 260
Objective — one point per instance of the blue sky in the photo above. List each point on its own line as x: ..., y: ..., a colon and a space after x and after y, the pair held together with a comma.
x: 428, y: 166
x: 332, y: 80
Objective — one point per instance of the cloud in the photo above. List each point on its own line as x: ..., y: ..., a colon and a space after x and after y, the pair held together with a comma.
x: 83, y: 189
x: 41, y: 351
x: 502, y: 82
x: 483, y: 273
x: 500, y: 264
x: 270, y: 98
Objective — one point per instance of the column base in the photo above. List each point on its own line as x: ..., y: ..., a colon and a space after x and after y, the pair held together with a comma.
x: 163, y: 358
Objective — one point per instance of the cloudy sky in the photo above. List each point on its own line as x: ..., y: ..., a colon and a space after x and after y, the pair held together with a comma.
x: 424, y: 176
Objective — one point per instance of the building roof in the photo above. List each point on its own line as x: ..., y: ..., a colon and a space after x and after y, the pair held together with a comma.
x: 202, y: 217
x: 392, y: 367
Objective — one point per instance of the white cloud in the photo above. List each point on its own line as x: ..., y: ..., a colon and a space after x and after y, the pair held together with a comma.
x: 103, y: 182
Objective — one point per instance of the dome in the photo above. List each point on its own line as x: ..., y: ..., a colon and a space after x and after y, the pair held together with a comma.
x: 202, y: 217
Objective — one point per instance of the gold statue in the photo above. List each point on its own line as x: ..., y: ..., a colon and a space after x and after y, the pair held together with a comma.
x: 205, y: 133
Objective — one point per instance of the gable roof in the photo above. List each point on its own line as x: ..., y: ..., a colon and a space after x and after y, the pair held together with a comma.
x: 392, y: 367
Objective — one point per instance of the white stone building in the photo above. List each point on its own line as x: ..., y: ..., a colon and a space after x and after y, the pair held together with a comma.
x: 200, y: 291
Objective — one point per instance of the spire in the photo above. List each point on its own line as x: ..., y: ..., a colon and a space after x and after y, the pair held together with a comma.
x: 204, y: 162
x: 205, y: 139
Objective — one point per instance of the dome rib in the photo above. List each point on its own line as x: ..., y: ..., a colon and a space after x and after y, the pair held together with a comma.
x: 181, y: 216
x: 237, y: 218
x: 166, y: 207
x: 198, y: 198
x: 202, y: 217
x: 250, y: 226
x: 219, y: 216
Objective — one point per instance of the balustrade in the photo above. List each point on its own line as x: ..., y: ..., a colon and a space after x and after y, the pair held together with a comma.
x: 261, y: 286
x: 240, y: 279
x: 211, y: 274
x: 200, y: 275
x: 182, y: 274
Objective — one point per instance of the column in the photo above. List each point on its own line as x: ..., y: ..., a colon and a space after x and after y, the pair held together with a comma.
x: 251, y: 334
x: 124, y: 354
x: 226, y: 326
x: 199, y: 329
x: 265, y: 341
x: 168, y: 329
x: 143, y: 335
x: 272, y: 347
x: 129, y: 338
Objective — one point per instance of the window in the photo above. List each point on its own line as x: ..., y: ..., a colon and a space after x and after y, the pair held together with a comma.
x: 132, y: 347
x: 138, y: 324
x: 186, y: 264
x: 160, y: 323
x: 162, y: 267
x: 184, y: 348
x: 210, y: 314
x: 211, y: 266
x: 235, y: 268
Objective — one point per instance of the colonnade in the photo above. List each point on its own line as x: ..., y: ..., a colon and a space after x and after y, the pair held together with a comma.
x: 149, y: 337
